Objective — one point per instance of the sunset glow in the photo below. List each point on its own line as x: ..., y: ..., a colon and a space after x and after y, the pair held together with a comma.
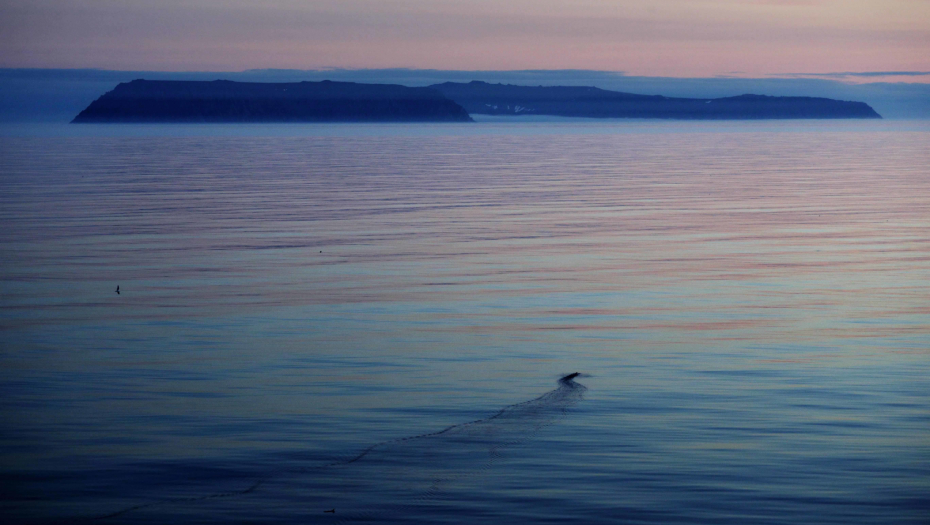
x: 683, y: 38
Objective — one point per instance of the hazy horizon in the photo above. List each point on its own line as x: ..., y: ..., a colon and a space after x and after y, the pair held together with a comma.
x: 57, y: 95
x: 56, y: 56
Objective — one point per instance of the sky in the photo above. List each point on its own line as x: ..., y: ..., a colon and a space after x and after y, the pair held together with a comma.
x: 853, y: 40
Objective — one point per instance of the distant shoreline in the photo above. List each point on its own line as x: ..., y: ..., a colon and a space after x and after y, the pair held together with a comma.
x: 222, y: 101
x: 590, y: 102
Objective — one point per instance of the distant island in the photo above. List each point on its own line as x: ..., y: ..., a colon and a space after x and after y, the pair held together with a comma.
x: 227, y: 101
x: 327, y: 101
x: 569, y: 101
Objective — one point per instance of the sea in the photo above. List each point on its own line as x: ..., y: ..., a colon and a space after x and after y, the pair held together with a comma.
x: 380, y: 323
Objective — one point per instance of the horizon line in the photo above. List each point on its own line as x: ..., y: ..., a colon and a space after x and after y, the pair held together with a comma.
x: 834, y: 76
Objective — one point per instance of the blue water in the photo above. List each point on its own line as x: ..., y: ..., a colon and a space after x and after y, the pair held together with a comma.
x: 373, y: 319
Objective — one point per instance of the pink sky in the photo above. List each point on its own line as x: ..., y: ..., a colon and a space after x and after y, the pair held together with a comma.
x: 682, y: 38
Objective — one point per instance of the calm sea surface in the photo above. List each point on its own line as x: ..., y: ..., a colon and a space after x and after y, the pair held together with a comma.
x: 374, y: 320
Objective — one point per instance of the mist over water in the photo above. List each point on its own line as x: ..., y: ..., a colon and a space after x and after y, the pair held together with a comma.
x: 750, y: 305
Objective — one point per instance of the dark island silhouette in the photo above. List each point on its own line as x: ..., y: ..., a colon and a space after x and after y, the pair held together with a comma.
x: 327, y: 101
x: 227, y: 101
x: 570, y: 101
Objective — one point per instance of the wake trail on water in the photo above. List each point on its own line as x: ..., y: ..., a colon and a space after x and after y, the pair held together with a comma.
x: 398, y: 474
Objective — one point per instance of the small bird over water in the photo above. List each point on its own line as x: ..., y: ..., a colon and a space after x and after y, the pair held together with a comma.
x: 332, y: 511
x: 117, y: 289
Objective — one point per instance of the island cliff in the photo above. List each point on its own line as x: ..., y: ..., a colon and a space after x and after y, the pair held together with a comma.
x: 326, y: 101
x: 227, y: 101
x: 570, y: 101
